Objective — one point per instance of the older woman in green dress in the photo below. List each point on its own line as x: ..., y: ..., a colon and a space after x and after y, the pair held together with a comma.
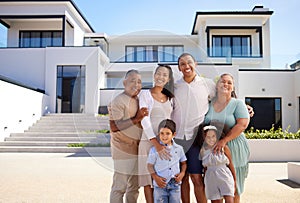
x: 232, y: 112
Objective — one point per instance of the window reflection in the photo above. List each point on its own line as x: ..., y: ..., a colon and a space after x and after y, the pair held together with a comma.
x: 235, y: 46
x: 40, y: 38
x: 153, y: 53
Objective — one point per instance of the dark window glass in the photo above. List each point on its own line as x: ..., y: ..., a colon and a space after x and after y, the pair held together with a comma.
x: 235, y: 46
x: 46, y: 39
x: 40, y: 38
x: 70, y: 89
x: 217, y: 46
x: 57, y: 39
x: 153, y: 53
x: 25, y: 39
x: 246, y: 46
x: 129, y: 54
x: 226, y: 47
x: 140, y: 54
x: 267, y: 113
x: 35, y: 39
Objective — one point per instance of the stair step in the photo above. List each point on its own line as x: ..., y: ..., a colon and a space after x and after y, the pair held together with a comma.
x: 53, y: 133
x: 101, y: 151
x: 66, y: 129
x: 34, y: 144
x: 67, y: 121
x: 58, y: 139
x: 60, y: 134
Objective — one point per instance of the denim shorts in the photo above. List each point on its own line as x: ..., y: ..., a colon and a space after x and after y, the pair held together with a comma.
x: 192, y: 152
x: 194, y: 164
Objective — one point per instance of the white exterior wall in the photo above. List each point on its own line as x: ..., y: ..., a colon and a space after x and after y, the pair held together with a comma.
x: 37, y: 68
x: 84, y: 56
x: 276, y: 84
x: 20, y: 108
x: 297, y: 83
x: 32, y: 8
x: 26, y: 66
x: 69, y: 39
x: 297, y: 95
x: 266, y: 45
x: 78, y: 30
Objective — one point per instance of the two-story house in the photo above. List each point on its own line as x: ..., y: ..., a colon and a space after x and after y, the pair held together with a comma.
x: 53, y: 50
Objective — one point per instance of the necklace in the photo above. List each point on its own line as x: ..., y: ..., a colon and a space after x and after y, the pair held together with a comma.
x: 158, y: 96
x: 161, y: 99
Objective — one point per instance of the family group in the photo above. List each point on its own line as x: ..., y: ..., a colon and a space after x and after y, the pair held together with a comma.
x: 174, y: 132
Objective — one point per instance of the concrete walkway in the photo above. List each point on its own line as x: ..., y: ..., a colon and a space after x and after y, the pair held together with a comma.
x: 76, y: 178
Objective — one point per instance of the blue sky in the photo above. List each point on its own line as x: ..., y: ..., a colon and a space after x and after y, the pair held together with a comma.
x: 117, y: 17
x: 177, y: 16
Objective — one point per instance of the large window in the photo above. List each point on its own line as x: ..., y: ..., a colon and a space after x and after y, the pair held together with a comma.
x: 40, y: 39
x: 70, y: 89
x: 231, y: 46
x: 267, y: 113
x: 166, y: 53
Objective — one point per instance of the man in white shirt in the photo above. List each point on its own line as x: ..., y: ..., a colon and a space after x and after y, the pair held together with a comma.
x: 192, y: 94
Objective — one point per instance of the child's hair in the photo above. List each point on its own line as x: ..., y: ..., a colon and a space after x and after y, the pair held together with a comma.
x: 220, y: 128
x: 167, y: 123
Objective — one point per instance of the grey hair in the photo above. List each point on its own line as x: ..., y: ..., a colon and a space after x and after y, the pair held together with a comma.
x: 130, y: 72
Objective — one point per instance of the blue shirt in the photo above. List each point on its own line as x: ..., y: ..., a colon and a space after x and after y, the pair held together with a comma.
x: 167, y: 168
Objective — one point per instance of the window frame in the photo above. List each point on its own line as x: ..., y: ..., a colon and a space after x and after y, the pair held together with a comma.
x: 260, y: 113
x: 224, y: 47
x: 152, y: 53
x: 40, y: 40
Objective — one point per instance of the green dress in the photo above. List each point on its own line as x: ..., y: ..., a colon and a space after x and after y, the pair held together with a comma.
x: 239, y: 147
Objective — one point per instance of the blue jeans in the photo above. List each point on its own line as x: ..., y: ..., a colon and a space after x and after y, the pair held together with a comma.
x: 169, y: 194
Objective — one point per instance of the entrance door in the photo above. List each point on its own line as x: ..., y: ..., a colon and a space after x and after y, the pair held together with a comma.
x: 67, y: 93
x: 70, y: 89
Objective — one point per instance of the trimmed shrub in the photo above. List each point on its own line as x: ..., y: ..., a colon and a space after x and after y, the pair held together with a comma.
x: 272, y: 134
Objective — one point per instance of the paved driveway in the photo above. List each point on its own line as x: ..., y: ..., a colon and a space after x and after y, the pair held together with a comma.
x: 79, y: 178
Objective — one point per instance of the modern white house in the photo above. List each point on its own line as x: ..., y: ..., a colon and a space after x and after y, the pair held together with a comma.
x: 55, y: 62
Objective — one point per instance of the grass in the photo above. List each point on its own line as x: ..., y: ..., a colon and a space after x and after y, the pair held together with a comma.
x: 98, y: 131
x: 89, y: 145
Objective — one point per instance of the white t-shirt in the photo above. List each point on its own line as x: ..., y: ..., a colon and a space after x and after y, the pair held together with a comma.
x: 191, y: 104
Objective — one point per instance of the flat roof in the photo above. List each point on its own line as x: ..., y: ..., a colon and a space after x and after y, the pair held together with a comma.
x: 256, y: 11
x: 72, y: 3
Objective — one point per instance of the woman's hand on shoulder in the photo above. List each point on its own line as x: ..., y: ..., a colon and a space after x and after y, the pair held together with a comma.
x: 219, y: 148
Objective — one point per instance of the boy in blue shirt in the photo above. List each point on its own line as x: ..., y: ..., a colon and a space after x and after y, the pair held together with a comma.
x: 167, y: 174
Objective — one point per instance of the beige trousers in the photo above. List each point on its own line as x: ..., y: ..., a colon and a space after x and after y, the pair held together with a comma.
x: 125, y: 182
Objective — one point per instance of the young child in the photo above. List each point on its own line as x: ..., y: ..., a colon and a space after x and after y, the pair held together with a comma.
x: 167, y: 174
x: 219, y: 178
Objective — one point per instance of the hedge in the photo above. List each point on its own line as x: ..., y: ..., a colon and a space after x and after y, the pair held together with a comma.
x: 272, y: 134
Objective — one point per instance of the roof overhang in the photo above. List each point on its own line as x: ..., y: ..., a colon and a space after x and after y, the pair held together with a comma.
x: 7, y: 17
x: 263, y: 16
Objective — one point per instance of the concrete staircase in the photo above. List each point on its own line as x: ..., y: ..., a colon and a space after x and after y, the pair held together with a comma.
x: 54, y: 132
